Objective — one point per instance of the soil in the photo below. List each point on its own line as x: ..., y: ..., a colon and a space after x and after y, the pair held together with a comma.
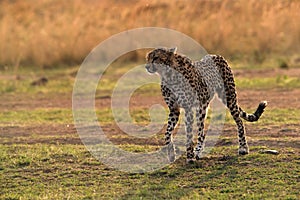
x: 67, y: 134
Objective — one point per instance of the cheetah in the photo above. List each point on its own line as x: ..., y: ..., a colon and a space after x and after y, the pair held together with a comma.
x: 191, y: 85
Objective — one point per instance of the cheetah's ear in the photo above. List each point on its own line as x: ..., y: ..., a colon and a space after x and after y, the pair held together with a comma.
x: 173, y: 50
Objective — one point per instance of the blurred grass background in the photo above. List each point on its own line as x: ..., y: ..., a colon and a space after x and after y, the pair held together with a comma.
x: 51, y: 33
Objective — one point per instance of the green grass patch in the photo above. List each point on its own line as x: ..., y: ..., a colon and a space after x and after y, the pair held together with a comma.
x: 68, y: 171
x: 139, y: 115
x: 271, y: 116
x: 280, y: 116
x: 45, y: 168
x: 279, y: 82
x: 36, y: 116
x: 260, y: 61
x: 138, y: 148
x: 268, y: 83
x: 60, y: 80
x: 62, y: 85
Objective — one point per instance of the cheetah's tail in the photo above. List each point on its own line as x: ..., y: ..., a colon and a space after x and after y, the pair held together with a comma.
x: 256, y: 115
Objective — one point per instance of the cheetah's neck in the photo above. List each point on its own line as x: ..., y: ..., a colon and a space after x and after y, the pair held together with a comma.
x: 182, y: 63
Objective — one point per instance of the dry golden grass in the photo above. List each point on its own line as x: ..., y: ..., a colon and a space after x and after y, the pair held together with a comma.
x: 53, y: 32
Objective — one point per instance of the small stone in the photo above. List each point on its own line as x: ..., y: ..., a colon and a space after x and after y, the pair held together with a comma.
x: 270, y: 151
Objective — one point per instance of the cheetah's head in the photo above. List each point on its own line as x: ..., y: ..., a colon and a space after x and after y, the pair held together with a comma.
x: 159, y: 58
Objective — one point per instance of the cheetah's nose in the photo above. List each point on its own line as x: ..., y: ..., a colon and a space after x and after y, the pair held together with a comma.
x: 149, y: 68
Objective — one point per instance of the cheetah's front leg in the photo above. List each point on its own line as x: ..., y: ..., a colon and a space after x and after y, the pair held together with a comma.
x: 189, y: 119
x: 172, y: 121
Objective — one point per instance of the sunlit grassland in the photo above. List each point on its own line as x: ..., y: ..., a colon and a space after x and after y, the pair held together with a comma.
x: 68, y: 171
x: 53, y: 170
x: 40, y: 162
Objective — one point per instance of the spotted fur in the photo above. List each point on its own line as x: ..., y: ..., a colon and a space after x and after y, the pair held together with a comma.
x: 191, y: 86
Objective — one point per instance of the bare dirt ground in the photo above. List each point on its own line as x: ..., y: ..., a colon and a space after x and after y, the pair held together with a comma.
x: 62, y: 134
x: 66, y: 133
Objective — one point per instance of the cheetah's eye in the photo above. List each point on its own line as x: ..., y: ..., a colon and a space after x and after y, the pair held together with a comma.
x: 154, y: 59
